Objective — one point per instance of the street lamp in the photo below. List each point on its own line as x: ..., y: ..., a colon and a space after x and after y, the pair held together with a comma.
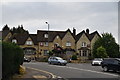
x: 48, y: 34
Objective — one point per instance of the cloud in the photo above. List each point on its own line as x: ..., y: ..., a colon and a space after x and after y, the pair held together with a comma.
x: 100, y: 16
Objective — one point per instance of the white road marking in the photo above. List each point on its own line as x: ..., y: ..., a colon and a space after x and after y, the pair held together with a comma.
x: 93, y: 71
x: 85, y: 70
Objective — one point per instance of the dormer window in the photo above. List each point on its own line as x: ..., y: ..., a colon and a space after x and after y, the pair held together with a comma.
x: 29, y: 42
x: 14, y: 41
x: 84, y: 44
x: 57, y: 37
x: 45, y: 35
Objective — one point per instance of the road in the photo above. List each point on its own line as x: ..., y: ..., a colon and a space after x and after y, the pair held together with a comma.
x: 72, y: 70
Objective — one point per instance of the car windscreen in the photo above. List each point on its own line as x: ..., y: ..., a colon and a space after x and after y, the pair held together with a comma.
x: 59, y: 58
x: 98, y: 59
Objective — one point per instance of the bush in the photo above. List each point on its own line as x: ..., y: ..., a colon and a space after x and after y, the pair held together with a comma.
x: 12, y: 58
x: 74, y: 57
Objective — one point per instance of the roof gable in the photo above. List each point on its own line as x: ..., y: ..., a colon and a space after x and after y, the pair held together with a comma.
x: 78, y: 36
x: 91, y: 36
x: 20, y: 37
x: 52, y: 34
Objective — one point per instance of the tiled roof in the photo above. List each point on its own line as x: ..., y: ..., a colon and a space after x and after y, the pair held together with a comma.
x: 34, y: 38
x: 78, y: 36
x: 5, y: 33
x: 52, y: 35
x: 22, y: 37
x: 39, y: 37
x: 89, y: 36
x: 83, y: 48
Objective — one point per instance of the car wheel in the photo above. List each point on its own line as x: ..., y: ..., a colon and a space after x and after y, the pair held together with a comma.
x: 105, y: 68
x: 49, y: 62
x: 59, y: 63
x: 65, y: 64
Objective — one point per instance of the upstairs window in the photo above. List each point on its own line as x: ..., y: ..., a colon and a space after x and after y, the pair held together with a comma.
x: 68, y: 43
x: 84, y: 44
x: 46, y: 44
x: 45, y: 35
x: 14, y: 41
x: 57, y: 37
x: 29, y: 42
x: 56, y: 44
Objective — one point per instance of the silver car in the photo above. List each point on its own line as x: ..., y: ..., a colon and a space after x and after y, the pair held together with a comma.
x: 57, y: 60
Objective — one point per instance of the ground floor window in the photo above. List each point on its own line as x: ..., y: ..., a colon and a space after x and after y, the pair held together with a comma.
x: 29, y: 51
x: 83, y: 53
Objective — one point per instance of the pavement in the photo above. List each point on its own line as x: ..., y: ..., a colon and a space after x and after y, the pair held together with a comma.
x: 36, y: 74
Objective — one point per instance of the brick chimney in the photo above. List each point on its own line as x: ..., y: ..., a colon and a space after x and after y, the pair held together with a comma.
x: 74, y: 31
x: 87, y: 31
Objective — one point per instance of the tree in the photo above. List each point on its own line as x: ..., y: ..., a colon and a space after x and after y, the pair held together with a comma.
x: 108, y: 42
x: 6, y: 27
x: 19, y: 29
x: 101, y: 52
x: 12, y: 58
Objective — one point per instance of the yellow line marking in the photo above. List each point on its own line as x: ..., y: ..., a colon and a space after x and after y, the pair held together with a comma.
x: 39, y: 76
x: 53, y: 76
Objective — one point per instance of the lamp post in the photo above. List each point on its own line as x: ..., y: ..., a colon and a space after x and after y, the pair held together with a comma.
x: 48, y: 35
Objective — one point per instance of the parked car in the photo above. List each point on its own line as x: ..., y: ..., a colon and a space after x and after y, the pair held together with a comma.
x: 26, y: 60
x: 111, y: 64
x: 57, y: 60
x: 97, y: 61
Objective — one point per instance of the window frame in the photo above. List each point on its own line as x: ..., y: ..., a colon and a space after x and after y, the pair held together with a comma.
x: 45, y: 35
x: 46, y: 44
x: 14, y: 41
x: 29, y: 43
x: 68, y: 44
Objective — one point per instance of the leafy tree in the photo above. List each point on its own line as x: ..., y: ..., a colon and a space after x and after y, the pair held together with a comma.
x: 19, y: 29
x: 101, y: 52
x: 50, y: 53
x: 108, y: 42
x: 5, y: 27
x: 12, y: 58
x: 74, y: 57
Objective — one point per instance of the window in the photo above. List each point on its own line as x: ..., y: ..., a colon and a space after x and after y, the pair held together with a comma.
x: 57, y: 44
x: 45, y: 52
x: 57, y: 37
x: 80, y: 53
x: 46, y: 44
x: 84, y: 53
x: 29, y: 42
x: 28, y: 51
x: 84, y: 44
x: 45, y: 35
x: 68, y: 43
x: 14, y: 41
x: 41, y: 44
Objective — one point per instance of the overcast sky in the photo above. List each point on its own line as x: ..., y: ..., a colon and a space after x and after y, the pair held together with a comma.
x: 100, y: 16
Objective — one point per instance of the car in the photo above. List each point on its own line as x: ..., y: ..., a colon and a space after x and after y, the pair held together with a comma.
x: 97, y: 61
x: 26, y: 60
x: 57, y: 60
x: 111, y: 64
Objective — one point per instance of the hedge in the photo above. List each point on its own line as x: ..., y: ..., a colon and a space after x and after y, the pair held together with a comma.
x: 74, y: 57
x: 12, y: 58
